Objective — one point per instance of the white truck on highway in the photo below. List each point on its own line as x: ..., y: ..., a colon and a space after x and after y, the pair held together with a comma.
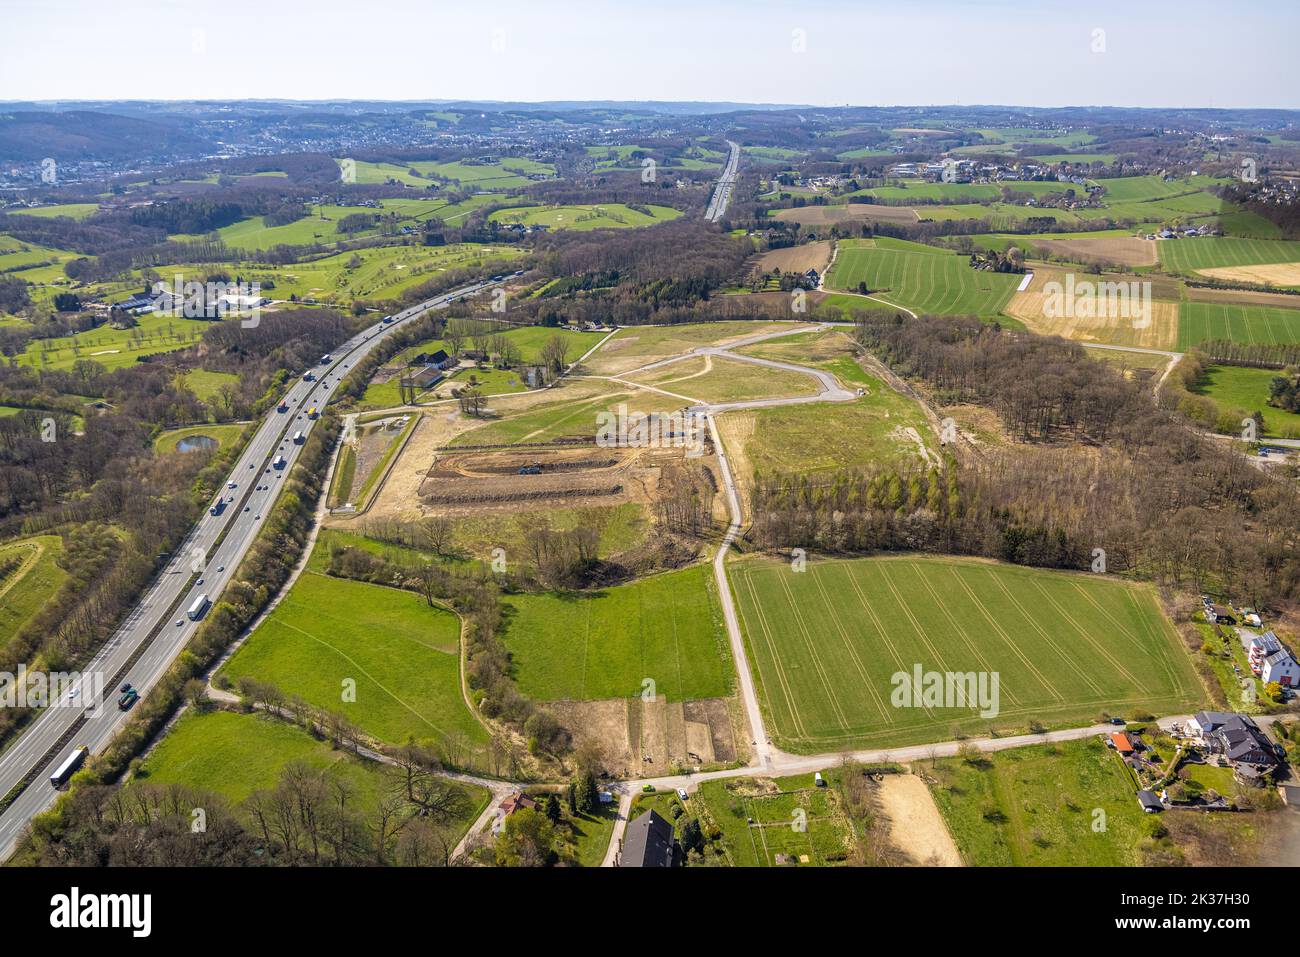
x: 69, y: 766
x: 198, y: 608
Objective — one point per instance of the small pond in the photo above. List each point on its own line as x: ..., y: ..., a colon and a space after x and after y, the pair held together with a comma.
x: 197, y: 443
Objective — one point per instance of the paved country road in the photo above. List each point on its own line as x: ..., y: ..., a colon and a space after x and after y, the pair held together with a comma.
x: 157, y: 629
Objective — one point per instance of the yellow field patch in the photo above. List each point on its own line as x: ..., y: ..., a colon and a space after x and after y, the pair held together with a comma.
x: 1121, y: 250
x: 1158, y: 331
x: 1269, y: 274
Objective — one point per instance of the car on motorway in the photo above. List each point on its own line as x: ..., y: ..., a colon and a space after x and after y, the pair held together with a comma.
x: 232, y: 485
x: 179, y: 622
x: 221, y: 568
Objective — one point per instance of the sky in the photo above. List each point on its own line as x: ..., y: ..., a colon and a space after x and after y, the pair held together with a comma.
x: 1165, y: 53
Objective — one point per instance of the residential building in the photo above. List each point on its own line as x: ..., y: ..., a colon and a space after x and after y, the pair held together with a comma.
x: 1238, y: 739
x: 1282, y: 668
x: 649, y: 842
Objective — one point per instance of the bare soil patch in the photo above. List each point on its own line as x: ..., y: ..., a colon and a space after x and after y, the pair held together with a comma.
x: 1243, y: 297
x: 1268, y: 274
x: 1122, y: 250
x: 1158, y: 331
x: 915, y: 825
x: 638, y: 737
x: 797, y: 258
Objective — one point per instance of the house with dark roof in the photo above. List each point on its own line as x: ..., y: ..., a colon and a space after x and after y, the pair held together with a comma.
x: 1149, y: 802
x: 438, y: 359
x: 649, y: 842
x: 1238, y: 739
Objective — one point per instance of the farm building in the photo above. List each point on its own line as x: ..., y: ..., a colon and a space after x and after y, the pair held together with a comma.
x: 649, y: 842
x: 439, y: 359
x: 426, y: 377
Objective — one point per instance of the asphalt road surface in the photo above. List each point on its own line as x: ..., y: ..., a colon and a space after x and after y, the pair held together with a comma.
x: 157, y: 629
x: 722, y: 192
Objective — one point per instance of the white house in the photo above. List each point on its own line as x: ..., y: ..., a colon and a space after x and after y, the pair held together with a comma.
x: 1261, y: 646
x: 1282, y: 668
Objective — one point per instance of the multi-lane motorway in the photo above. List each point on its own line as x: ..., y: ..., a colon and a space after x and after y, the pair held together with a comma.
x: 722, y: 192
x: 157, y: 629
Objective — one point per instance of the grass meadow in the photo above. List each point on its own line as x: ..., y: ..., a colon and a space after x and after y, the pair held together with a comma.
x: 587, y: 646
x: 402, y: 655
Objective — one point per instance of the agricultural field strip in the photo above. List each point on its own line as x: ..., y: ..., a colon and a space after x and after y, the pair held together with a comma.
x: 1093, y: 693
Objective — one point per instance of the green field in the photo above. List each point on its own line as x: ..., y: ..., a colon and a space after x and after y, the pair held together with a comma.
x: 320, y: 226
x: 827, y: 642
x: 714, y: 379
x: 402, y: 655
x: 1245, y: 390
x: 1106, y: 158
x: 606, y: 216
x: 1209, y: 252
x: 29, y: 583
x: 588, y: 646
x: 115, y: 348
x: 1202, y: 321
x: 928, y: 282
x: 923, y: 191
x: 71, y: 210
x: 1123, y: 189
x: 206, y: 385
x: 821, y: 438
x: 166, y: 441
x: 1039, y: 807
x: 234, y: 755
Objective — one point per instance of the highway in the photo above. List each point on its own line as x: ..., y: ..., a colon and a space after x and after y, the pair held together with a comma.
x: 722, y: 192
x: 158, y: 628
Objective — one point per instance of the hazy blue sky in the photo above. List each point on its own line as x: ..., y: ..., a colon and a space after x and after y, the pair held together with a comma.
x: 1032, y: 52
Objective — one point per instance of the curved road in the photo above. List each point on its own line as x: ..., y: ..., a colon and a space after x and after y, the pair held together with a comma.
x: 157, y: 629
